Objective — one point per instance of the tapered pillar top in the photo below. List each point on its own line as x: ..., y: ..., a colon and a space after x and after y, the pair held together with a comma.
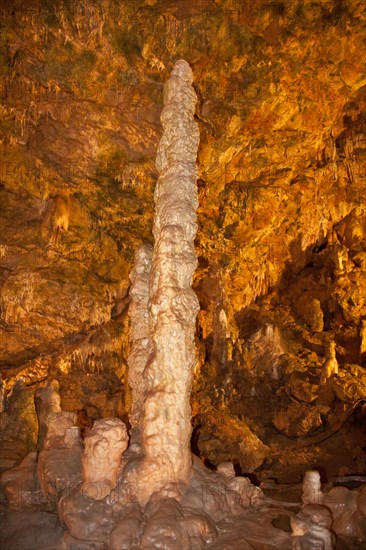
x: 182, y: 70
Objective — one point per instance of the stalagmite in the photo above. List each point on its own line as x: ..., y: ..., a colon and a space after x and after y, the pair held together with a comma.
x: 311, y: 488
x: 48, y: 402
x: 103, y: 450
x: 330, y: 366
x: 139, y: 334
x: 59, y: 461
x: 172, y: 305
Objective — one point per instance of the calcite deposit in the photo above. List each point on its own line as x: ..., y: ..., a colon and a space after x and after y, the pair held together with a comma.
x: 165, y: 306
x: 311, y: 488
x: 48, y: 405
x: 103, y: 450
x: 310, y: 528
x: 139, y: 335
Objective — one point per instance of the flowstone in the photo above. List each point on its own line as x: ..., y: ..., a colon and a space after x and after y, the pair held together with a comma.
x: 311, y: 528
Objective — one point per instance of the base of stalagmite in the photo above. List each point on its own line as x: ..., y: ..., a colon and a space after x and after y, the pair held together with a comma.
x: 59, y: 506
x: 216, y: 510
x: 211, y: 511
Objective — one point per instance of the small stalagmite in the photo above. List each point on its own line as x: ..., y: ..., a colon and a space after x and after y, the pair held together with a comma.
x: 101, y: 460
x: 163, y: 358
x: 311, y: 488
x: 330, y: 366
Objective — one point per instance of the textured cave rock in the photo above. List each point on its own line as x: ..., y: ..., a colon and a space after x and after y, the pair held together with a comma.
x: 104, y: 446
x: 48, y: 405
x: 21, y: 485
x: 139, y: 333
x: 311, y: 528
x: 280, y: 238
x: 165, y: 304
x: 59, y: 462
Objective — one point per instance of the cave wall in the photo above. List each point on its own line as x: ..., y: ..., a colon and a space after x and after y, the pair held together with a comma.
x: 281, y: 218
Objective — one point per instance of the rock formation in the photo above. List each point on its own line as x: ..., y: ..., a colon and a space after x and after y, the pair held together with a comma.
x: 281, y: 256
x: 139, y: 335
x: 56, y: 217
x: 311, y: 528
x: 330, y: 366
x: 348, y: 508
x: 311, y: 488
x: 48, y: 403
x: 102, y: 455
x: 59, y: 462
x: 164, y: 349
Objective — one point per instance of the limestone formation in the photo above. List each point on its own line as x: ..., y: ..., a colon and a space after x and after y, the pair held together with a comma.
x: 72, y: 436
x: 226, y: 469
x: 310, y: 313
x: 2, y: 396
x: 281, y: 180
x: 348, y: 510
x: 128, y: 530
x: 20, y: 484
x: 311, y: 488
x: 48, y: 402
x: 311, y: 528
x: 59, y: 442
x: 363, y: 337
x: 330, y: 366
x: 101, y: 461
x: 59, y: 461
x: 41, y: 476
x: 56, y: 217
x: 164, y: 348
x: 139, y: 333
x: 85, y: 518
x: 281, y: 250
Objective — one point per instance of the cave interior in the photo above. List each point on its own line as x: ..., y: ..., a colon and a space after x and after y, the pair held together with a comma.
x: 276, y: 236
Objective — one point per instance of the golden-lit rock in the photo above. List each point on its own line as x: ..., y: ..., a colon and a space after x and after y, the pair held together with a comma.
x: 297, y: 420
x: 281, y: 216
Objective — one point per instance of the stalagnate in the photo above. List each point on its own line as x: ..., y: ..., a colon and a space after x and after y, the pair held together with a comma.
x: 172, y: 306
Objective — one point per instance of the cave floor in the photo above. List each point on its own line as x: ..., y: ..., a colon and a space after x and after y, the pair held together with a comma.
x: 340, y: 455
x: 343, y: 454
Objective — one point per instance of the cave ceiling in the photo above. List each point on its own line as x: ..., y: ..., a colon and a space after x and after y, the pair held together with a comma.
x: 281, y: 218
